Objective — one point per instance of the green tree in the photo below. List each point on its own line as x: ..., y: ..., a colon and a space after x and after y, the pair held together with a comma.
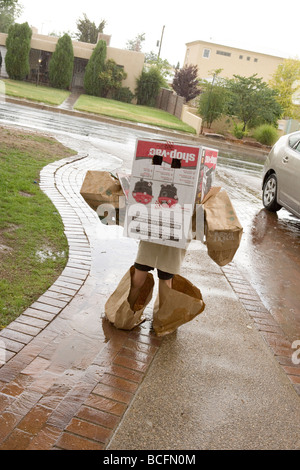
x: 286, y: 81
x: 18, y: 48
x: 136, y: 43
x: 10, y: 10
x: 252, y: 101
x: 148, y: 86
x: 162, y: 65
x: 95, y: 66
x: 61, y: 63
x: 213, y: 103
x: 186, y: 83
x: 88, y: 31
x: 213, y: 99
x: 111, y: 78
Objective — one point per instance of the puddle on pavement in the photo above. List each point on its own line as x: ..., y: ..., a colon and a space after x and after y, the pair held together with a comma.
x: 270, y: 254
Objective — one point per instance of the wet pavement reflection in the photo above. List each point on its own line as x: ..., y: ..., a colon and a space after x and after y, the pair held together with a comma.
x: 269, y: 254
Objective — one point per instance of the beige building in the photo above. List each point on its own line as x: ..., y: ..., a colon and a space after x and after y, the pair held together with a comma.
x: 42, y: 47
x: 209, y: 57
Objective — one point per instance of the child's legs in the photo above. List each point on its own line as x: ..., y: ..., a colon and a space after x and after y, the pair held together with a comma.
x: 137, y: 281
x: 139, y: 277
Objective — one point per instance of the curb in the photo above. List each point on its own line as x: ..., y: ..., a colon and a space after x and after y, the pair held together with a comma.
x: 225, y: 146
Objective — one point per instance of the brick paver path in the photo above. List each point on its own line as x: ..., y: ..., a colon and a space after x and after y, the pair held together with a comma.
x: 69, y: 375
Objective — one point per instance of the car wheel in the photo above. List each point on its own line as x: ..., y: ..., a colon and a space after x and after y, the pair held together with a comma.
x: 270, y: 194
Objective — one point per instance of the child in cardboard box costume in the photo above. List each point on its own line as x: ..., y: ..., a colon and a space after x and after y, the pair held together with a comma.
x: 162, y: 176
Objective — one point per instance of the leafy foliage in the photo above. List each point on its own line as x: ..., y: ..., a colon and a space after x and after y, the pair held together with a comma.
x: 18, y: 48
x: 238, y: 130
x: 286, y: 81
x: 212, y: 102
x: 252, y: 101
x: 123, y: 94
x: 87, y: 30
x: 266, y: 134
x: 111, y: 78
x: 61, y: 63
x: 9, y: 11
x: 162, y: 65
x: 136, y: 43
x: 148, y: 86
x: 95, y: 66
x: 186, y: 83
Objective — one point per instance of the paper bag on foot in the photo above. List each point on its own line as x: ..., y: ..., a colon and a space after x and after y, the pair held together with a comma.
x: 176, y: 306
x: 117, y: 307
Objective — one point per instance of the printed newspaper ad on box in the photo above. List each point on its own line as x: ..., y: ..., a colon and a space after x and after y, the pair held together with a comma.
x: 162, y: 192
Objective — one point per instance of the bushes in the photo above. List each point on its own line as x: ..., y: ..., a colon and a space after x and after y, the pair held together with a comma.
x: 148, y: 86
x: 111, y: 78
x: 266, y: 134
x: 123, y: 94
x: 238, y: 131
x: 95, y: 66
x: 61, y: 64
x: 18, y: 48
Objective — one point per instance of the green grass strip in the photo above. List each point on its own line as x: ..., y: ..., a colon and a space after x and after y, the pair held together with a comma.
x: 33, y: 246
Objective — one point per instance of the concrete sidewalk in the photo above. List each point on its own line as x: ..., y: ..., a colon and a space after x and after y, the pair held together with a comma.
x: 226, y: 380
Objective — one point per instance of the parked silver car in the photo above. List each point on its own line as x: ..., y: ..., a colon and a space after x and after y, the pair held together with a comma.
x: 281, y: 176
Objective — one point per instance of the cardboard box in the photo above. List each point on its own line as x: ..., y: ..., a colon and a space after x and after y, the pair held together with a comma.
x: 162, y: 193
x: 207, y: 172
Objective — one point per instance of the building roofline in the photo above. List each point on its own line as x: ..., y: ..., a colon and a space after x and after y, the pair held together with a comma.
x: 48, y: 43
x: 199, y: 41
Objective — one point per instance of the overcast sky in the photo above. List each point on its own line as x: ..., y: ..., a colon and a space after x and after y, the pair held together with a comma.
x: 259, y: 25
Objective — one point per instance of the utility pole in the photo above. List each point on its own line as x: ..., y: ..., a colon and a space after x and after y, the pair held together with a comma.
x: 162, y: 35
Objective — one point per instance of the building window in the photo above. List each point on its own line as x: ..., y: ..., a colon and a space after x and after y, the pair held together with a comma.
x: 248, y: 58
x: 206, y: 53
x: 227, y: 54
x: 255, y: 60
x: 241, y: 57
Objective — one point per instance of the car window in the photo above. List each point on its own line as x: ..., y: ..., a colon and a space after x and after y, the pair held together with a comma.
x: 297, y: 147
x: 294, y: 139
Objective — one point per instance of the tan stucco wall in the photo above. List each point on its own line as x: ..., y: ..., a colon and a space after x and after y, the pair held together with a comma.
x: 265, y: 65
x: 133, y: 63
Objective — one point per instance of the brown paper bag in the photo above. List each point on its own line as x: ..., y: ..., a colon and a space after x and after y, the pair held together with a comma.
x: 101, y: 187
x: 117, y: 308
x: 103, y: 193
x: 176, y: 306
x: 223, y: 231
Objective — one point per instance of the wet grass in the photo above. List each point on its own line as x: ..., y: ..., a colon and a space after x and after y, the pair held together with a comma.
x: 131, y: 112
x: 30, y: 91
x: 33, y: 247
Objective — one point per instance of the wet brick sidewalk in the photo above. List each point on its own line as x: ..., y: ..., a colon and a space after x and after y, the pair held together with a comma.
x: 69, y: 375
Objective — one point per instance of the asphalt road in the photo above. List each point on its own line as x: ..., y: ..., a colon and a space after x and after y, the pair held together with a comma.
x: 269, y: 254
